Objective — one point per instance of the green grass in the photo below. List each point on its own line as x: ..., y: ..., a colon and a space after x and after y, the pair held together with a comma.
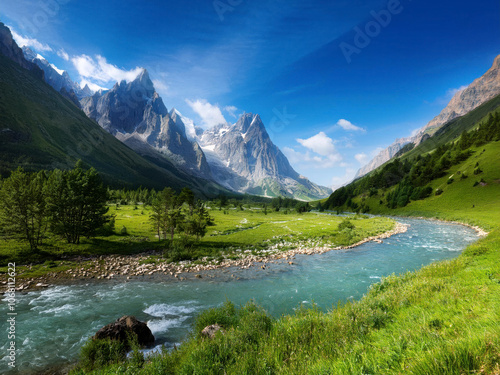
x: 460, y: 201
x: 233, y: 236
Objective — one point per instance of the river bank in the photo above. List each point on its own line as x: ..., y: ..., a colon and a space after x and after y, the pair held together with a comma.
x: 129, y: 267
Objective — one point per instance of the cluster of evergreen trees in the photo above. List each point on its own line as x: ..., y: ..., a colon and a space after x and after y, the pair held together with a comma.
x: 182, y: 213
x: 69, y: 203
x: 412, y: 176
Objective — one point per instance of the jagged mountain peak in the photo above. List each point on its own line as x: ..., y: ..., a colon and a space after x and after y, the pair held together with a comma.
x: 135, y: 113
x: 243, y: 158
x: 247, y: 120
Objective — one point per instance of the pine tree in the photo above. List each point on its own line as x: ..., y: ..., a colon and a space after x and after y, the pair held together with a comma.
x: 23, y: 208
x: 77, y: 203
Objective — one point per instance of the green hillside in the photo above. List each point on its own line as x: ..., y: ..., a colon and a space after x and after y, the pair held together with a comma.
x: 454, y: 129
x: 461, y: 160
x: 40, y: 129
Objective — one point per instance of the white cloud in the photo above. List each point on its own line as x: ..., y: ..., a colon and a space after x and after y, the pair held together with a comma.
x: 308, y: 160
x: 100, y: 70
x: 320, y: 144
x: 63, y: 55
x: 231, y: 109
x: 349, y: 126
x: 28, y: 42
x: 211, y: 115
x: 361, y: 158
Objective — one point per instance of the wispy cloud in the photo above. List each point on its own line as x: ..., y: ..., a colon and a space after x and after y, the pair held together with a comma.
x: 30, y: 42
x: 63, y: 55
x: 210, y: 114
x: 100, y: 70
x: 231, y: 110
x: 349, y: 126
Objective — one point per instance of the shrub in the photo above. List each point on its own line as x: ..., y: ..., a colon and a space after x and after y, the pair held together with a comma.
x: 439, y: 191
x: 225, y: 316
x: 124, y: 231
x: 99, y: 353
x: 346, y: 224
x: 450, y: 181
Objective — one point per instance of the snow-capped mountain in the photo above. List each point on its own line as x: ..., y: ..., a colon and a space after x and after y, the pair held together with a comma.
x: 57, y: 78
x: 478, y: 92
x: 134, y: 113
x: 243, y: 158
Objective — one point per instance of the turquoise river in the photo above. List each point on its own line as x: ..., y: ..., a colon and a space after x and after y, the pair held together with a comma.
x: 53, y: 324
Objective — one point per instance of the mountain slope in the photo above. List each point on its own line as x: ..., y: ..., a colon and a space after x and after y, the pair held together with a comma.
x: 478, y: 92
x: 455, y: 156
x: 135, y: 114
x: 10, y: 49
x: 243, y: 158
x: 42, y: 130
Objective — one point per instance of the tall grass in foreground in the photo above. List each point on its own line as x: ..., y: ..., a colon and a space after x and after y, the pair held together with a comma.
x: 443, y: 319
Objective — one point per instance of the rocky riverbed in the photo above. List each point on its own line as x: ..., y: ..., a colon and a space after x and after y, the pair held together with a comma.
x: 143, y: 265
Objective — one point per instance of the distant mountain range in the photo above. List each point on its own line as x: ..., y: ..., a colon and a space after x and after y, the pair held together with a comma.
x: 478, y: 92
x: 240, y: 157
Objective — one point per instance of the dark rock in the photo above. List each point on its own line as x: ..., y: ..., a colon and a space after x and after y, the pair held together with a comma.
x: 124, y: 326
x: 10, y: 49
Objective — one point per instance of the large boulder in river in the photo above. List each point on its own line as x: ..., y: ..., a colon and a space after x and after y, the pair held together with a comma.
x: 123, y: 327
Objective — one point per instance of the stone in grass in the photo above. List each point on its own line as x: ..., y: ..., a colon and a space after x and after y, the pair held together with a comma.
x: 210, y: 331
x: 123, y: 327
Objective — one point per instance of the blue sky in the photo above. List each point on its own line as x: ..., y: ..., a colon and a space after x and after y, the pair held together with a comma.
x: 329, y: 97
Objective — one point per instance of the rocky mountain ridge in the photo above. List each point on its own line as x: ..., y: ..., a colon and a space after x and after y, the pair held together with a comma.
x: 58, y: 79
x: 135, y: 114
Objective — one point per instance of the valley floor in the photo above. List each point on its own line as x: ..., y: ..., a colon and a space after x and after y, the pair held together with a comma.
x: 240, y: 239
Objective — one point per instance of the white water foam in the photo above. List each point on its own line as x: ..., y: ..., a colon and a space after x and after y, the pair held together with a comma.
x: 161, y: 310
x: 163, y: 325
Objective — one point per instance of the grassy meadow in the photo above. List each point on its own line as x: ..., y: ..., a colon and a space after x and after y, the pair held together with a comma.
x: 234, y: 232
